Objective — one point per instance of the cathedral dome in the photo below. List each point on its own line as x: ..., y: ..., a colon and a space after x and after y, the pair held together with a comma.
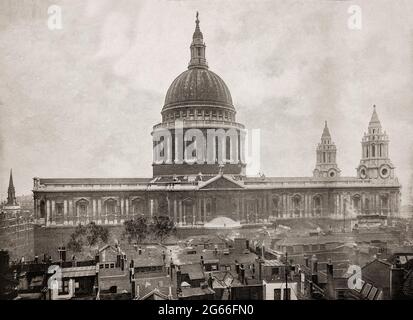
x: 198, y: 86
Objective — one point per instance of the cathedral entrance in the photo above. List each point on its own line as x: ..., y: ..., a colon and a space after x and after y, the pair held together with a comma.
x: 222, y: 223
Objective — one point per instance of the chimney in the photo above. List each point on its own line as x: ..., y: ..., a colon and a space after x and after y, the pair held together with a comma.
x: 139, y: 250
x: 237, y: 267
x: 210, y: 281
x: 306, y: 259
x: 202, y: 261
x: 396, y: 282
x: 36, y: 259
x: 330, y: 281
x: 260, y: 266
x: 242, y: 274
x: 62, y: 254
x: 314, y: 269
x: 118, y: 258
x: 178, y: 278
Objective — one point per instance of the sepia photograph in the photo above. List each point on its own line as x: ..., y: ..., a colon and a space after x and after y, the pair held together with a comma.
x: 224, y: 151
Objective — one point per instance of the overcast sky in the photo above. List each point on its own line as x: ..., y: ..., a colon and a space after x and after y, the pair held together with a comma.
x: 81, y: 101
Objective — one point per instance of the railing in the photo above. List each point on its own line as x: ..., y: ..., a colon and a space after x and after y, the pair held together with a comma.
x: 199, y: 124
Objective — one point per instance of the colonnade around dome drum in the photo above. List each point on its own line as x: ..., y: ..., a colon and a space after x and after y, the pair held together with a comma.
x: 194, y: 208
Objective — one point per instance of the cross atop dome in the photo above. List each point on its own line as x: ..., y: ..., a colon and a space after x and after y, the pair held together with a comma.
x: 198, y: 59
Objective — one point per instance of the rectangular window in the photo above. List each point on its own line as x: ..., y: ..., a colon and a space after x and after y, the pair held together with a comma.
x: 59, y: 209
x: 287, y: 294
x: 277, y: 294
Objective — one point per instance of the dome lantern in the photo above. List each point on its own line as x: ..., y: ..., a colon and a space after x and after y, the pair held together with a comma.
x: 198, y: 59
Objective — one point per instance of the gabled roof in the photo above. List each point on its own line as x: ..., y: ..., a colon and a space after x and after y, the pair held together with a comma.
x: 385, y: 263
x: 221, y: 181
x: 190, y: 292
x: 155, y: 292
x: 194, y: 271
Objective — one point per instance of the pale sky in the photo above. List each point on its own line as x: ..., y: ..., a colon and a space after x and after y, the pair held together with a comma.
x: 81, y: 101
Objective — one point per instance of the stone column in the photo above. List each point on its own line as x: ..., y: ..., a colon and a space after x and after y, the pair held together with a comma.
x: 100, y: 211
x: 94, y: 209
x: 127, y: 208
x: 65, y: 212
x: 36, y: 209
x: 199, y: 211
x: 47, y: 212
x: 175, y: 211
x: 237, y: 208
x: 243, y: 209
x: 288, y: 206
x: 193, y: 213
x: 71, y: 211
x: 378, y: 204
x: 180, y: 212
x: 53, y: 212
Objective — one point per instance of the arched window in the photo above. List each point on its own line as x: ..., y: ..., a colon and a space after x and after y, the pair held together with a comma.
x: 366, y: 205
x: 296, y: 204
x: 317, y: 205
x: 138, y: 206
x: 188, y: 214
x: 82, y: 207
x: 275, y: 206
x: 111, y: 205
x: 384, y: 203
x: 356, y: 203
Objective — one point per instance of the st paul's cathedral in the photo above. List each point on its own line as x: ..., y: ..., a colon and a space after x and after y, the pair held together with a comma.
x: 197, y: 191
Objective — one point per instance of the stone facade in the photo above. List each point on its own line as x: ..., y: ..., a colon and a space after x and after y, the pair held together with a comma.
x: 197, y: 187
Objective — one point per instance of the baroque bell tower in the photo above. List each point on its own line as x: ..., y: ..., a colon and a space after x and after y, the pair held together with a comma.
x: 375, y: 162
x: 326, y: 166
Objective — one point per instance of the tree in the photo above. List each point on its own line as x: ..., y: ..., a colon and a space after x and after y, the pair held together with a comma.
x: 162, y: 227
x: 90, y: 235
x: 136, y: 230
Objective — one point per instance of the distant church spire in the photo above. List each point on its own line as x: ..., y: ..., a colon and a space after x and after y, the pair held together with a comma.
x: 11, y: 193
x: 198, y: 59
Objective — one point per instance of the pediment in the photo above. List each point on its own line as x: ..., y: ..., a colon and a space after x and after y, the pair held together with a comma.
x: 222, y: 182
